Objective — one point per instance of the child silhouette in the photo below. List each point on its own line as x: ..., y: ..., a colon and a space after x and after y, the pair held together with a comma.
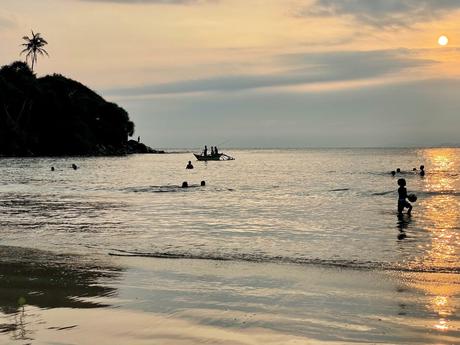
x: 402, y: 196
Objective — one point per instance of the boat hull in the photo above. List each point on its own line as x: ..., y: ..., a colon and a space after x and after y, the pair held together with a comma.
x: 218, y: 157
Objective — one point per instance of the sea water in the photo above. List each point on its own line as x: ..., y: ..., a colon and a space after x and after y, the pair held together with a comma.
x: 280, y: 246
x: 326, y: 207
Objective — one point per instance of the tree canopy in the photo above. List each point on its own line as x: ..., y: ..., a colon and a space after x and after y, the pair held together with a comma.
x: 55, y: 115
x: 34, y: 46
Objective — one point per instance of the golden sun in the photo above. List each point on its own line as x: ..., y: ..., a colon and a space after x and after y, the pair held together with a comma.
x: 443, y: 40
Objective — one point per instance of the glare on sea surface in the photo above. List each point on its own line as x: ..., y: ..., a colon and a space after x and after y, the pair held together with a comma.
x: 440, y: 212
x: 443, y: 40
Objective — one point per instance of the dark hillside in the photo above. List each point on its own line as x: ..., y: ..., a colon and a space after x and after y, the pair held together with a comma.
x: 55, y: 115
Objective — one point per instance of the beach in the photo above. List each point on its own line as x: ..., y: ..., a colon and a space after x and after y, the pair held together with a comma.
x: 187, y: 172
x: 279, y: 247
x: 74, y: 300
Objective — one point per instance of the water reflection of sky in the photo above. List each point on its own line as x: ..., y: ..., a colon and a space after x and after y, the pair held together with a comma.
x: 45, y: 280
x: 324, y: 206
x: 439, y: 212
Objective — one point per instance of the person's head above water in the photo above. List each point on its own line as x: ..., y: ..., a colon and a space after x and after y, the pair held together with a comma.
x: 203, y: 183
x: 393, y: 173
x: 422, y: 167
x: 401, y: 182
x: 398, y: 170
x: 52, y: 168
x: 184, y: 184
x: 414, y: 169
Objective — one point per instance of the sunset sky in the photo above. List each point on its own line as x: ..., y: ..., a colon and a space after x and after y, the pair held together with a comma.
x: 258, y: 73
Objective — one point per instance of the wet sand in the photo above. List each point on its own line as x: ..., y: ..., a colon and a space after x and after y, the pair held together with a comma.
x: 64, y: 299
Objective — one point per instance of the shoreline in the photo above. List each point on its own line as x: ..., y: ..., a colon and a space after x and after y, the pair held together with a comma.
x: 186, y: 301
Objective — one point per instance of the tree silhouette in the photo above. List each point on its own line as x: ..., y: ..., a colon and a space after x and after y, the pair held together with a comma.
x: 54, y: 116
x: 34, y: 47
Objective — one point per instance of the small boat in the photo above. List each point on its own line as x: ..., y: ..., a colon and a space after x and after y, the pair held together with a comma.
x: 217, y: 157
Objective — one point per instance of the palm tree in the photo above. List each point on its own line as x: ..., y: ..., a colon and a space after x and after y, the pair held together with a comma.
x: 34, y: 47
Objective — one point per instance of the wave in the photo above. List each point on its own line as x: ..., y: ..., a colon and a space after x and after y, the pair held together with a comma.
x: 174, y: 189
x: 258, y: 258
x: 384, y: 193
x: 436, y: 193
x: 159, y: 189
x: 421, y: 193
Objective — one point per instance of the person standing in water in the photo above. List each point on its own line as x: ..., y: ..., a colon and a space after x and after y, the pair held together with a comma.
x: 402, y: 196
x: 422, y: 170
x: 189, y: 165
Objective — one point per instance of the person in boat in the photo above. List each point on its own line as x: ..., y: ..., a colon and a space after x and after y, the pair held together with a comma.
x: 422, y: 170
x: 205, y: 151
x: 402, y: 196
x: 216, y: 152
x: 189, y: 165
x: 212, y: 150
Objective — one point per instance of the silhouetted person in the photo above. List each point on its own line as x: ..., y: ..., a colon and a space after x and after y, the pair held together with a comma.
x: 422, y: 170
x: 212, y: 150
x: 398, y: 170
x: 205, y: 151
x: 184, y: 184
x: 52, y: 168
x: 216, y: 152
x: 189, y: 165
x: 74, y: 167
x: 139, y: 139
x: 203, y: 183
x: 393, y: 173
x: 402, y: 196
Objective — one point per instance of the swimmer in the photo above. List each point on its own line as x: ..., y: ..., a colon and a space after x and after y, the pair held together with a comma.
x: 184, y: 184
x: 74, y: 167
x: 189, y: 165
x: 52, y: 168
x: 422, y: 170
x: 393, y: 173
x: 203, y: 183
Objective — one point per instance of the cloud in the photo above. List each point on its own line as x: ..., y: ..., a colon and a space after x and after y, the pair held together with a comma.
x: 299, y: 69
x: 383, y: 13
x: 420, y: 113
x: 6, y: 22
x: 158, y: 2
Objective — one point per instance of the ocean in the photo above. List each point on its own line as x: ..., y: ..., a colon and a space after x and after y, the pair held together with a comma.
x: 288, y: 209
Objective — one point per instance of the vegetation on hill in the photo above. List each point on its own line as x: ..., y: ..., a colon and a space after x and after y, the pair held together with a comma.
x: 55, y: 115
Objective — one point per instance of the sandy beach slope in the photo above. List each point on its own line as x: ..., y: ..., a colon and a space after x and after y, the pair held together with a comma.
x: 63, y: 299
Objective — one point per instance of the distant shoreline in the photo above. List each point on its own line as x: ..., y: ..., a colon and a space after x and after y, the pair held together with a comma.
x: 171, y: 151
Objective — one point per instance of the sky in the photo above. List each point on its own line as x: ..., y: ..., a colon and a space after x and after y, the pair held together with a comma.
x: 258, y: 73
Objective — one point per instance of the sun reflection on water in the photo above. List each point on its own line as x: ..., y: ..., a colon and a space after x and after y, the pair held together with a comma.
x: 439, y: 210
